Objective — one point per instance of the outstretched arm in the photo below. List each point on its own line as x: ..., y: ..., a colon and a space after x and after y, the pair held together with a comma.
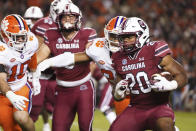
x: 67, y: 59
x: 81, y: 57
x: 42, y: 53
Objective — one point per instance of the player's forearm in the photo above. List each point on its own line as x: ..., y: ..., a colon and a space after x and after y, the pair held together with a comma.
x: 81, y: 57
x: 176, y: 69
x: 42, y: 53
x: 181, y: 79
x: 3, y: 83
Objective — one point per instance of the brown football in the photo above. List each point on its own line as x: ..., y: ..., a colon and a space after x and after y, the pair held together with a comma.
x: 167, y: 75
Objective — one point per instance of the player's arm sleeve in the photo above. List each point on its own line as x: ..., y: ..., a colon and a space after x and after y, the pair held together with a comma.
x: 38, y: 29
x: 90, y: 50
x: 161, y: 49
x: 81, y: 57
x: 33, y: 63
x: 92, y: 36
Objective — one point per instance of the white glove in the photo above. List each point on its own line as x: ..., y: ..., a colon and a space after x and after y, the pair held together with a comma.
x: 16, y: 100
x: 121, y: 90
x: 36, y: 82
x: 162, y: 84
x: 63, y: 60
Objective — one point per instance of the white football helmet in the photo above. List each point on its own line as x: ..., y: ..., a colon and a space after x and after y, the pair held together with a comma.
x: 31, y: 13
x: 134, y: 26
x: 14, y: 32
x: 63, y: 7
x: 113, y: 28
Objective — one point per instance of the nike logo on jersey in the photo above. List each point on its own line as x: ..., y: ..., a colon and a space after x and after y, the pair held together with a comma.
x: 133, y: 66
x: 83, y: 87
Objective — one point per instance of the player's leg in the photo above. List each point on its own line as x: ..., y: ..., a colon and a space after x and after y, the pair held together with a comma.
x: 22, y: 117
x: 45, y: 116
x: 86, y: 105
x: 64, y: 109
x: 24, y: 120
x: 130, y: 119
x: 165, y: 124
x: 38, y: 101
x: 106, y: 101
x: 161, y: 118
x: 48, y: 103
x: 6, y: 112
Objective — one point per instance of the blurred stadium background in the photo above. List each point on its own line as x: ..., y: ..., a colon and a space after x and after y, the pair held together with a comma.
x: 171, y: 20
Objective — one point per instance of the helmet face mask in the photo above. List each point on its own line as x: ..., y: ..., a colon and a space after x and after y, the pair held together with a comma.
x: 18, y: 41
x: 60, y: 8
x: 14, y: 31
x: 111, y: 31
x: 68, y: 22
x: 137, y: 27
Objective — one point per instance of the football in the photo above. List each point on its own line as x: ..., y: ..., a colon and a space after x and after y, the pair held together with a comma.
x: 165, y: 74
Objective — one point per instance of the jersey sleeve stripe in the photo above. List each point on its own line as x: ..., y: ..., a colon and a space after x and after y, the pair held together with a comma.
x: 160, y: 49
x: 40, y: 28
x: 46, y: 39
x: 166, y: 51
x: 40, y: 32
x: 92, y: 37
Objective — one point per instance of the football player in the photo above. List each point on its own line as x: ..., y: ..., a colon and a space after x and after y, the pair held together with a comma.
x: 75, y: 91
x: 17, y: 53
x: 42, y: 103
x: 139, y: 60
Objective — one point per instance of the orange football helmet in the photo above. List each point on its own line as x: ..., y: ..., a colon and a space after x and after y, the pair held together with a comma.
x: 111, y: 31
x: 14, y: 32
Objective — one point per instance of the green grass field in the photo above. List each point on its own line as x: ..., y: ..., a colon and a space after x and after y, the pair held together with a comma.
x: 186, y: 121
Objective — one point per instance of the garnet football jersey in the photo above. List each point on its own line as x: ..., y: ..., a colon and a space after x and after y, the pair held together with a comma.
x: 58, y: 45
x: 42, y: 25
x: 16, y: 63
x: 139, y: 68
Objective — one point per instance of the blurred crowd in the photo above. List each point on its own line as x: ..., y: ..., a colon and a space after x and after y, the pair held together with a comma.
x: 171, y: 20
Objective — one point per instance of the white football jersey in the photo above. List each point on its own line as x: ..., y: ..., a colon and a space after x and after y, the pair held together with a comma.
x: 16, y: 63
x: 100, y: 54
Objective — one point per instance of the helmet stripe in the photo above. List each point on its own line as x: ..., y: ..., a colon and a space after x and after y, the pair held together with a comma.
x: 24, y: 25
x: 122, y: 20
x: 116, y: 22
x: 20, y: 22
